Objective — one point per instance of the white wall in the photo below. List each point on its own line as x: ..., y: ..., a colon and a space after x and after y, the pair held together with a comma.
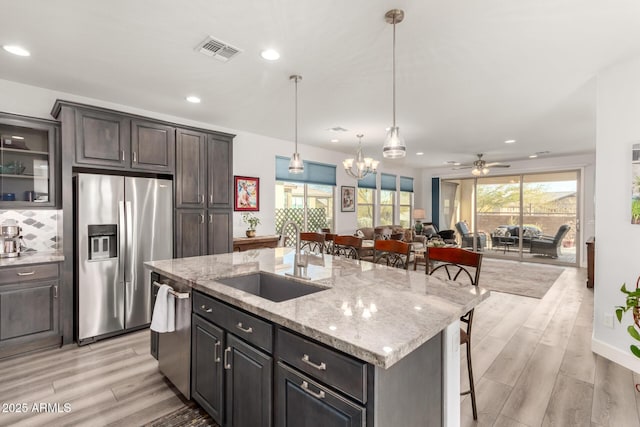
x: 617, y: 240
x: 254, y: 155
x: 584, y: 162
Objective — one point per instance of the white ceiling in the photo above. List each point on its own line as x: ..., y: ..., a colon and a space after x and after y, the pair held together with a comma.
x: 471, y: 74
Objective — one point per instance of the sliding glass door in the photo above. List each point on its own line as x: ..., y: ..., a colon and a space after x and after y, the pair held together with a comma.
x: 529, y: 217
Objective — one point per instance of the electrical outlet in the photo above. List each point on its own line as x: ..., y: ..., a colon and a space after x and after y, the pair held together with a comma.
x: 608, y: 320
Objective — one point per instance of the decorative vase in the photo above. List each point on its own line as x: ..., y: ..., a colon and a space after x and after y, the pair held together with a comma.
x: 251, y: 233
x: 418, y: 227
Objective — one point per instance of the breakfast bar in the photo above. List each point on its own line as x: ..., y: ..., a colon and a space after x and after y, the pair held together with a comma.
x: 370, y: 344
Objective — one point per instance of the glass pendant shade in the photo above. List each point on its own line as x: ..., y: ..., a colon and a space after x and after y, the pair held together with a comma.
x: 394, y: 146
x: 296, y: 165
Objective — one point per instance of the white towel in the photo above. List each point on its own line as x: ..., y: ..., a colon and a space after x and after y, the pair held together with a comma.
x: 164, y: 311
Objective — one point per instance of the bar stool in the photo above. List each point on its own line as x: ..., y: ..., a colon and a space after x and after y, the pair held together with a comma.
x: 347, y: 246
x: 394, y: 253
x: 313, y: 242
x: 464, y: 266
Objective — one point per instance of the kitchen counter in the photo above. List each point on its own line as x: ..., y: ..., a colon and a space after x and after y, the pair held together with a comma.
x: 373, y: 312
x: 27, y: 258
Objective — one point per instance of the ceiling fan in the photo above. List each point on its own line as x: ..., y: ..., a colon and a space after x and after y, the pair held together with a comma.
x: 481, y: 167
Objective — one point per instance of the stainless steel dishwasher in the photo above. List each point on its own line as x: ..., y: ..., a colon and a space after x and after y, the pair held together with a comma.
x: 174, y: 348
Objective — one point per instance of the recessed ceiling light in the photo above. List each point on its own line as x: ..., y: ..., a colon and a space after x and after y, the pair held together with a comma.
x: 419, y: 153
x: 193, y: 99
x: 510, y: 141
x: 533, y: 156
x: 16, y: 50
x: 17, y: 137
x: 270, y: 55
x: 335, y: 140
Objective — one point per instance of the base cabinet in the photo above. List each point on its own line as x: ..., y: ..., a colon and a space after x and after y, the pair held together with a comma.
x: 301, y: 398
x: 230, y: 378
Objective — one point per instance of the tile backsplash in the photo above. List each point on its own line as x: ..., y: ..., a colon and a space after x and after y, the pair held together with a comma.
x: 41, y: 229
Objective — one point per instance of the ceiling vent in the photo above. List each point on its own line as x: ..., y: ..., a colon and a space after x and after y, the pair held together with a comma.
x: 217, y: 49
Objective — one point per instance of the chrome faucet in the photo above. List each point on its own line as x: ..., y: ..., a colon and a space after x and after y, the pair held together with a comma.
x: 298, y: 257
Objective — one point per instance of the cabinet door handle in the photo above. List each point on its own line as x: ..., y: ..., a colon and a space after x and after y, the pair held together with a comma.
x: 122, y: 155
x: 206, y: 309
x: 305, y: 387
x: 55, y: 291
x: 216, y: 349
x: 321, y: 367
x: 210, y: 199
x: 26, y: 273
x: 227, y: 365
x: 201, y: 199
x: 135, y: 157
x: 210, y: 218
x: 201, y: 218
x: 248, y: 330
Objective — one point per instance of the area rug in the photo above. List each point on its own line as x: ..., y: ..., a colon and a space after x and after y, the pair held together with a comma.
x: 187, y: 416
x: 520, y: 278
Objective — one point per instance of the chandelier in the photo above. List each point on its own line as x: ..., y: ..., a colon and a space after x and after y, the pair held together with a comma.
x: 394, y: 146
x: 360, y: 166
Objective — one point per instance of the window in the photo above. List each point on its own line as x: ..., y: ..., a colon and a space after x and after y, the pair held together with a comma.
x: 406, y: 206
x: 308, y: 205
x: 387, y: 199
x: 365, y: 207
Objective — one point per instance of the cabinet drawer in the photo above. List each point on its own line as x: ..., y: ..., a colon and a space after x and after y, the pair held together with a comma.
x: 28, y: 273
x: 335, y: 369
x: 244, y: 325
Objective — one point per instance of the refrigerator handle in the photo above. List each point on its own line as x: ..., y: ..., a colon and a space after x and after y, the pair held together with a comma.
x: 121, y: 238
x: 129, y: 273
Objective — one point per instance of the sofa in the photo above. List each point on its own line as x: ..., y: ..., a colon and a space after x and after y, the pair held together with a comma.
x: 511, y: 233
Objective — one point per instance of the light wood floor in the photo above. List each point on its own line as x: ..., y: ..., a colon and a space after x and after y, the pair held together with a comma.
x: 532, y: 361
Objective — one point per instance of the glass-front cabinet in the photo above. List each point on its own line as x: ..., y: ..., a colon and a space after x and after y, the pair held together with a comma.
x: 27, y: 162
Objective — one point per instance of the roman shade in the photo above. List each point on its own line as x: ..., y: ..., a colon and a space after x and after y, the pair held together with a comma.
x: 388, y: 182
x: 314, y: 173
x: 368, y: 181
x: 406, y: 184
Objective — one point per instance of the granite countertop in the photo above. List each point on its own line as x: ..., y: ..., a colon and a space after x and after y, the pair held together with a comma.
x: 376, y: 313
x: 27, y: 258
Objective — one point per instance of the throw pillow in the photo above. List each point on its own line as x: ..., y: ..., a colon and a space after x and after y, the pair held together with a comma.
x: 408, y: 235
x: 360, y: 234
x: 500, y: 232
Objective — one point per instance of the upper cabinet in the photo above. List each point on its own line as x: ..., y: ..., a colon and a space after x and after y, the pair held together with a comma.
x: 102, y: 139
x: 112, y: 140
x: 28, y: 162
x: 219, y: 173
x: 191, y: 162
x: 153, y: 146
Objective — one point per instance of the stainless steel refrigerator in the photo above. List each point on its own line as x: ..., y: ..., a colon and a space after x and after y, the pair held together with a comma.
x: 121, y: 222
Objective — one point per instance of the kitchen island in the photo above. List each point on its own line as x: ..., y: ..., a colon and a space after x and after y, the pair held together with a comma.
x: 401, y: 328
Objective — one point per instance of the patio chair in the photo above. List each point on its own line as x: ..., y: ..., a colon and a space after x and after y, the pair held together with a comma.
x: 468, y: 237
x: 549, y: 245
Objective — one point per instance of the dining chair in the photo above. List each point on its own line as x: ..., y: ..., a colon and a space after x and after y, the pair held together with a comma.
x: 329, y: 243
x: 394, y: 253
x: 463, y: 266
x: 347, y: 246
x: 313, y: 242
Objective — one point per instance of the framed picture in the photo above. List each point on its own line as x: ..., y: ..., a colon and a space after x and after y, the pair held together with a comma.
x: 246, y: 193
x: 347, y: 199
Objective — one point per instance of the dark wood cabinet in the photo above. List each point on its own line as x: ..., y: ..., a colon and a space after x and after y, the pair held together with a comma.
x: 102, y: 138
x: 248, y: 385
x: 29, y: 150
x: 153, y: 146
x: 207, y: 346
x: 29, y: 308
x: 230, y: 378
x: 204, y: 179
x: 300, y: 398
x: 220, y: 172
x: 219, y: 231
x: 191, y: 233
x: 190, y: 169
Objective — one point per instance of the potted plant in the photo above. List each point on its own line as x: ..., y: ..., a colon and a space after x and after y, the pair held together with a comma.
x: 252, y: 221
x: 632, y: 303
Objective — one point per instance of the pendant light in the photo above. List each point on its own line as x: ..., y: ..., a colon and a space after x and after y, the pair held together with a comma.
x: 363, y: 165
x: 296, y: 165
x: 394, y: 146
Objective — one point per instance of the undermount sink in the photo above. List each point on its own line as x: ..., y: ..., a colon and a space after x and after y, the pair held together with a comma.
x: 270, y: 286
